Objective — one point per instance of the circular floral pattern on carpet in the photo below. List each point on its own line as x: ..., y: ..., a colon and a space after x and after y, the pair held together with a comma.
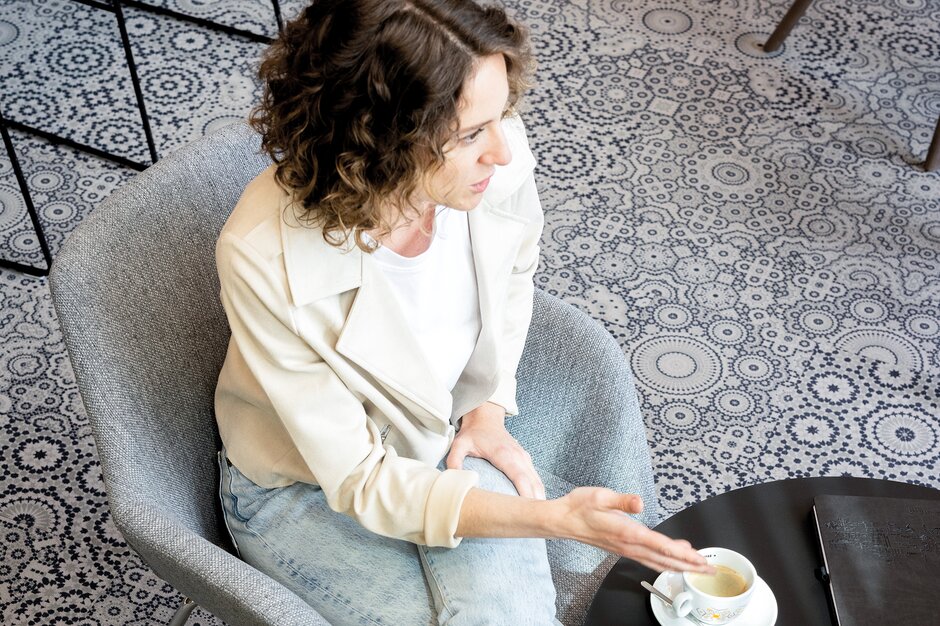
x: 754, y: 229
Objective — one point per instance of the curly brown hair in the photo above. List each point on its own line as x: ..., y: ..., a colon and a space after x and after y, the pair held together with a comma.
x: 361, y: 97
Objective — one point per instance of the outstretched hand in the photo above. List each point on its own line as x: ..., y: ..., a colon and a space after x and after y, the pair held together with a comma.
x: 597, y: 516
x: 483, y: 435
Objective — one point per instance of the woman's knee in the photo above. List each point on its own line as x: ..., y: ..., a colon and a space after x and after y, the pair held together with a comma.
x: 491, y: 479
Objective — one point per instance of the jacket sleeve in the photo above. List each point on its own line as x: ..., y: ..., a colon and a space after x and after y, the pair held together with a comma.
x: 517, y: 307
x: 387, y: 494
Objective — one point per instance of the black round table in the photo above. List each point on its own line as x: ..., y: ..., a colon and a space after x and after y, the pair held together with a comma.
x: 772, y: 525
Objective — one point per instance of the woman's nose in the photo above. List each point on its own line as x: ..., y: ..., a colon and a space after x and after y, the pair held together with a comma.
x: 498, y: 152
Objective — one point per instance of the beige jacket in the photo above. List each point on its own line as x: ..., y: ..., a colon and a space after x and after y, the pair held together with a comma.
x: 324, y: 382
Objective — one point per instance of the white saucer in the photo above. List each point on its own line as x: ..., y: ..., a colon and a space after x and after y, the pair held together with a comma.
x: 761, y: 611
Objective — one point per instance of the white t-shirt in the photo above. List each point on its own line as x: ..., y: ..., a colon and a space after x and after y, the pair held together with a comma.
x: 437, y: 291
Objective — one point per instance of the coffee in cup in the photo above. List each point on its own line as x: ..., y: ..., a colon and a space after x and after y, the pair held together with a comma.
x: 721, y: 597
x: 724, y: 583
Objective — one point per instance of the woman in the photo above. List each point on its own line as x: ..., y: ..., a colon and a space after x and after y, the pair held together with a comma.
x: 378, y: 283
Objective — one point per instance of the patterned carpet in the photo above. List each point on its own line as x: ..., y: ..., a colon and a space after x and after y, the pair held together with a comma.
x: 754, y: 229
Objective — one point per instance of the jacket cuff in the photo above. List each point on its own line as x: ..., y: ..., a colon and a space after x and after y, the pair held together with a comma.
x: 442, y: 512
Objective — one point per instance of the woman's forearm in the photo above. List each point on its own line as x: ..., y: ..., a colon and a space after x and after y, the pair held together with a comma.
x: 489, y: 514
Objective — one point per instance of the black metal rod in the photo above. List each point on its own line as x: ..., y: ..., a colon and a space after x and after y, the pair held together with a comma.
x: 25, y: 269
x: 793, y: 15
x: 30, y: 209
x: 229, y: 30
x: 96, y: 5
x: 277, y: 15
x: 65, y: 141
x: 132, y: 68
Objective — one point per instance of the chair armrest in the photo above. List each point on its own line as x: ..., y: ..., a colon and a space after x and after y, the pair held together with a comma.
x: 579, y: 416
x: 215, y: 579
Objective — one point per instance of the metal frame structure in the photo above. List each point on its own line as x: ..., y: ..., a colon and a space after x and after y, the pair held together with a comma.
x: 116, y: 7
x: 776, y: 39
x: 30, y: 210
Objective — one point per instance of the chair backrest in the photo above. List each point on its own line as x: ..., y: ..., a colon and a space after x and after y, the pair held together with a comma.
x: 136, y: 292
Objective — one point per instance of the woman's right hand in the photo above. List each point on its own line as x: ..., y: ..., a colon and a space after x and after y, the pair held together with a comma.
x: 597, y: 516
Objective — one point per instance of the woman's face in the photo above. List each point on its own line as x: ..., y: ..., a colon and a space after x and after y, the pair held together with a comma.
x: 479, y: 146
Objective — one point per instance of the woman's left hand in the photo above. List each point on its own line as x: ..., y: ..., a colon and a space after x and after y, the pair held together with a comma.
x: 483, y: 435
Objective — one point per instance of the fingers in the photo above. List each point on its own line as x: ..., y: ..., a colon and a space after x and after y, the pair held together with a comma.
x: 503, y: 452
x: 629, y: 503
x: 523, y: 477
x: 662, y: 562
x: 653, y: 549
x: 660, y: 552
x: 458, y: 452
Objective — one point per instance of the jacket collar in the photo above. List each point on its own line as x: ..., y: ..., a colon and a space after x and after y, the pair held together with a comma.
x: 376, y: 334
x: 338, y: 269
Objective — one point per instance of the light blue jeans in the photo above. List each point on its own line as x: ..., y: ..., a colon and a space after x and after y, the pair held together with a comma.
x: 353, y: 576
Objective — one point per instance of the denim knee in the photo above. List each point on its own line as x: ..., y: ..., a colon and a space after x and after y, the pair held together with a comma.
x: 491, y: 479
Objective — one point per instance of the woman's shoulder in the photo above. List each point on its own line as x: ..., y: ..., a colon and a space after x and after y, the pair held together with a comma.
x: 254, y: 219
x: 264, y: 237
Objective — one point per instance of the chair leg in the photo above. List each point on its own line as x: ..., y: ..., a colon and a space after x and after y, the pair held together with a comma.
x: 182, y: 613
x: 797, y: 9
x: 933, y: 155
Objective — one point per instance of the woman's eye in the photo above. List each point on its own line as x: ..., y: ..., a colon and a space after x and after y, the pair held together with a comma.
x: 472, y: 136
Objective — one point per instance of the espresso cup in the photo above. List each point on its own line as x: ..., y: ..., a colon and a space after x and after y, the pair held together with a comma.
x: 721, y: 598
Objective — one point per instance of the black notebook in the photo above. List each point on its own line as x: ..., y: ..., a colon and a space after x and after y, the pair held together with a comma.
x: 883, y: 559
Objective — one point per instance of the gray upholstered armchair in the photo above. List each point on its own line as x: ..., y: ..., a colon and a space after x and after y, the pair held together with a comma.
x: 136, y: 292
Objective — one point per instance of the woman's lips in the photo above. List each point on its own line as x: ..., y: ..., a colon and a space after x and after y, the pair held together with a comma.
x: 481, y: 186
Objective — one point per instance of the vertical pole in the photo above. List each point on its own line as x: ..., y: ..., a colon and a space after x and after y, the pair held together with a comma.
x: 125, y: 40
x: 277, y: 15
x: 30, y: 209
x: 797, y: 9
